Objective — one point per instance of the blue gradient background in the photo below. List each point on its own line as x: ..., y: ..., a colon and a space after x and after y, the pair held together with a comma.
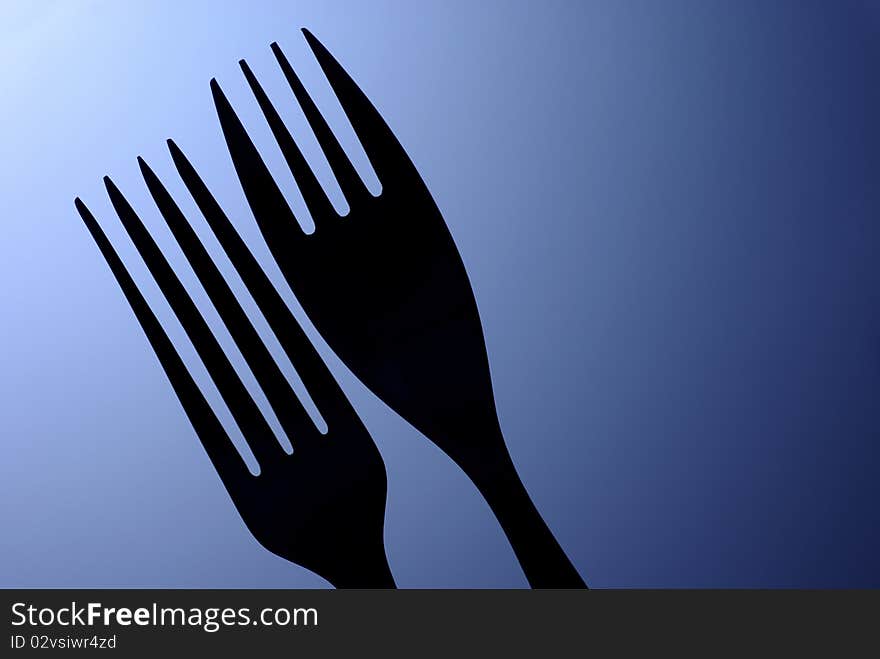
x: 669, y: 213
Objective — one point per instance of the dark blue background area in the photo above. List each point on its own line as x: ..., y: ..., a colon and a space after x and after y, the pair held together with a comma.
x: 669, y: 213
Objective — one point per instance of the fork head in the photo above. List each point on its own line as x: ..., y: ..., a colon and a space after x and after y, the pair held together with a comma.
x: 322, y: 506
x: 384, y: 284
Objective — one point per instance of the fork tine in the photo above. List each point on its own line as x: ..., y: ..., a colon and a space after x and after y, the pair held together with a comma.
x: 317, y: 378
x: 313, y: 194
x: 349, y: 180
x: 291, y: 414
x: 245, y: 411
x: 218, y: 446
x: 271, y: 211
x: 387, y: 156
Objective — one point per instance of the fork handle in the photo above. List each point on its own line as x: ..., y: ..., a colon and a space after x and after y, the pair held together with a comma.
x: 541, y: 557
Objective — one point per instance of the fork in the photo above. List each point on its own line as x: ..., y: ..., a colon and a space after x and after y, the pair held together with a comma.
x: 323, y: 506
x: 386, y: 288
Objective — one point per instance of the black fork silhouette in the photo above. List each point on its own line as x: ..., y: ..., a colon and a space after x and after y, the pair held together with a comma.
x: 323, y: 506
x: 387, y: 289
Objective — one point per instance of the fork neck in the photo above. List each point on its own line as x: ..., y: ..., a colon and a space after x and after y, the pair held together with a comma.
x: 365, y: 570
x: 540, y: 555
